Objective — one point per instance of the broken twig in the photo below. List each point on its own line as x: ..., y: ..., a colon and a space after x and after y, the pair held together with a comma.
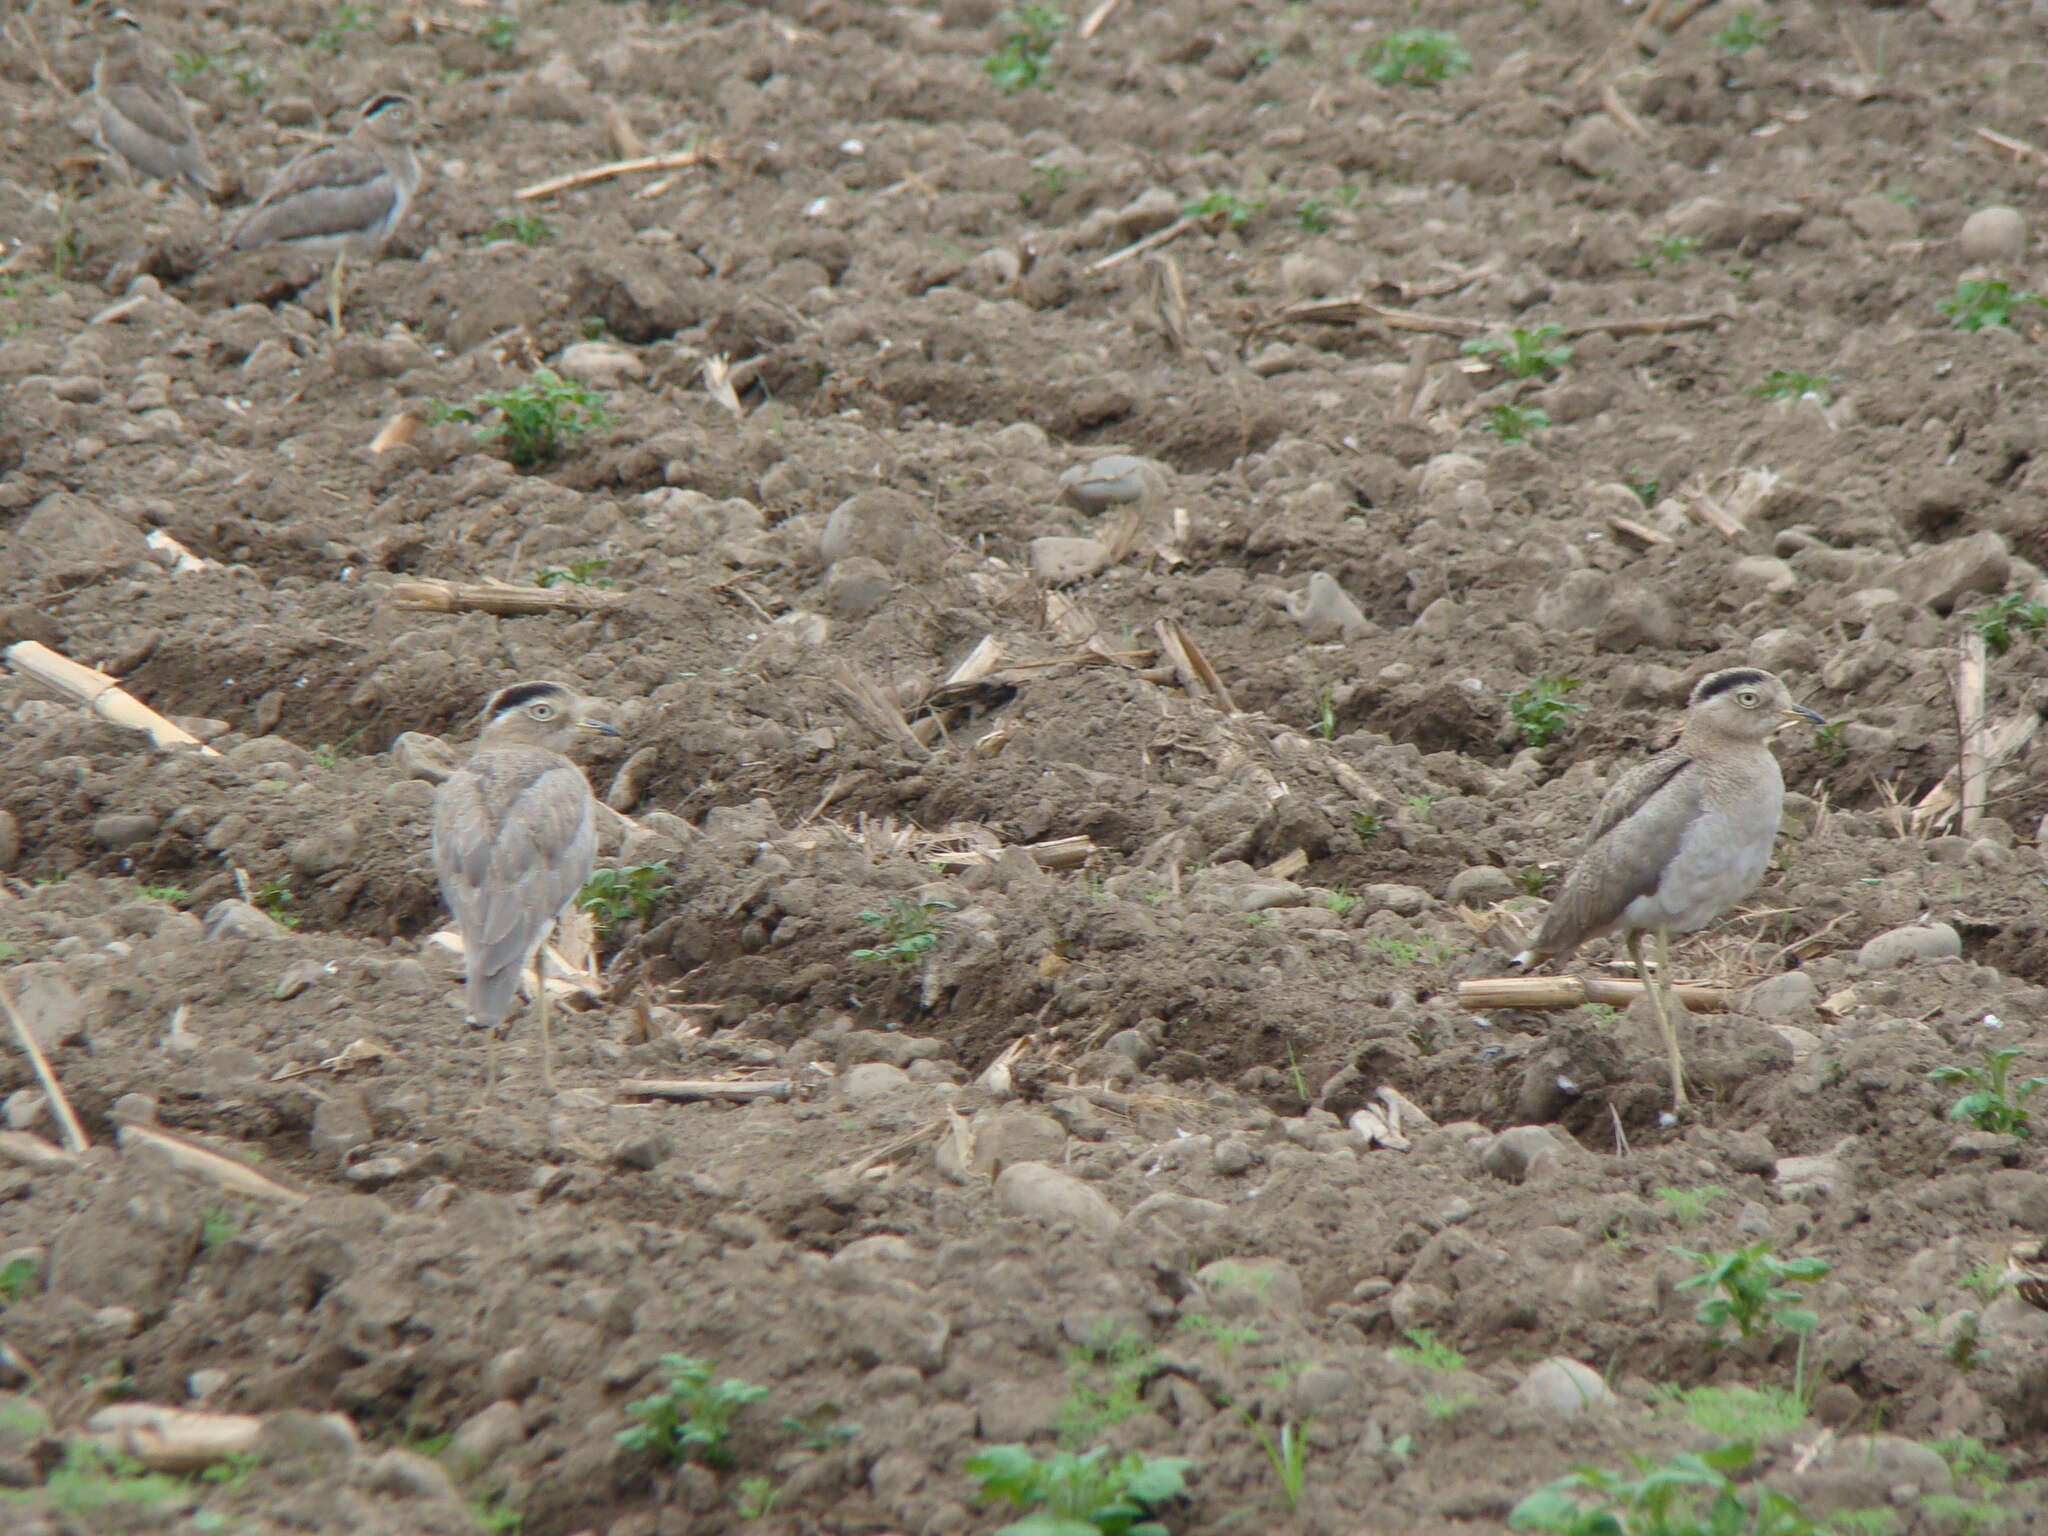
x: 67, y: 1122
x: 680, y: 160
x: 107, y: 698
x: 432, y: 595
x: 1577, y: 991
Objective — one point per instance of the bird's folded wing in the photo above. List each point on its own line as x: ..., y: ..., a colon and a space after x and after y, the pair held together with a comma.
x: 333, y: 191
x: 1640, y: 825
x: 153, y: 108
x: 512, y: 855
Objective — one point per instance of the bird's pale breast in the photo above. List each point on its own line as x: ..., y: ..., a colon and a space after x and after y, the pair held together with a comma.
x: 1723, y: 854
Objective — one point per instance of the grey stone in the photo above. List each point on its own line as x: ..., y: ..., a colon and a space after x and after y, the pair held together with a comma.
x: 1324, y: 607
x: 1562, y: 1388
x: 53, y: 1009
x: 1258, y: 895
x: 1480, y: 886
x: 66, y: 533
x: 1178, y: 1212
x: 1942, y: 576
x: 1622, y: 615
x: 295, y: 1437
x: 1318, y: 1388
x: 333, y: 847
x: 484, y: 1437
x: 1993, y: 234
x: 1870, y: 1472
x: 1240, y: 1286
x: 232, y: 919
x: 884, y: 1331
x: 1521, y: 1153
x: 25, y: 1109
x: 10, y: 840
x: 1780, y: 997
x: 1824, y: 1175
x: 1914, y: 941
x: 887, y: 526
x: 1151, y: 210
x: 604, y: 364
x: 1402, y: 900
x: 402, y: 1474
x: 1232, y: 1156
x: 872, y: 1080
x: 1010, y: 1133
x: 1762, y: 573
x: 856, y: 587
x: 123, y: 829
x: 341, y: 1123
x: 1113, y: 480
x: 643, y: 1150
x: 1597, y: 146
x: 512, y: 1372
x: 1878, y: 217
x: 1058, y: 561
x: 421, y: 756
x: 1049, y: 1195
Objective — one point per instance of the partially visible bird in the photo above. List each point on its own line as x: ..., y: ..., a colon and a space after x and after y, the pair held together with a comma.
x: 343, y: 198
x: 1681, y: 837
x: 2026, y: 1266
x: 138, y: 114
x: 515, y: 838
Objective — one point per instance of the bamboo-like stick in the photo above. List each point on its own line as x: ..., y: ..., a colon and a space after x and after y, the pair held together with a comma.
x: 167, y: 1439
x: 679, y: 160
x: 1972, y: 763
x: 432, y: 595
x: 685, y: 1089
x: 1151, y: 242
x: 74, y: 1134
x: 207, y: 1163
x: 106, y: 697
x: 1576, y: 991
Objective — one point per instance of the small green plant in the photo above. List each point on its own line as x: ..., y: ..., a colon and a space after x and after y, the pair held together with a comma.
x: 1994, y: 1102
x: 169, y: 895
x: 1668, y: 251
x: 581, y: 573
x: 1421, y: 805
x: 691, y: 1415
x: 1998, y: 620
x: 908, y: 925
x: 1078, y: 1495
x: 273, y: 896
x: 1533, y: 879
x: 90, y: 1478
x: 1445, y: 1406
x: 1745, y: 1287
x: 1227, y: 1337
x: 1795, y: 384
x: 349, y: 17
x: 1286, y: 1451
x: 1325, y: 724
x: 1692, y: 1494
x: 1400, y: 951
x: 1425, y: 1349
x: 1105, y: 1380
x: 821, y: 1429
x: 1738, y: 1413
x: 526, y: 228
x: 1979, y: 302
x: 1601, y: 1015
x: 755, y: 1497
x: 538, y: 420
x: 1521, y: 354
x: 1972, y: 1461
x: 500, y: 31
x: 1233, y: 208
x: 1339, y: 903
x: 1026, y: 48
x: 1984, y: 1282
x: 1689, y: 1205
x: 1646, y: 486
x: 1365, y: 826
x: 1416, y: 56
x: 220, y: 1225
x: 188, y: 64
x: 1258, y: 919
x: 611, y: 896
x: 67, y: 245
x: 1314, y: 215
x: 1514, y: 423
x: 1747, y: 30
x: 1829, y: 738
x: 1540, y: 709
x: 16, y: 1276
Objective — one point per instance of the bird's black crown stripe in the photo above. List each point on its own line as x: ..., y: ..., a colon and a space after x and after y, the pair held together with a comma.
x: 1721, y: 682
x: 522, y: 693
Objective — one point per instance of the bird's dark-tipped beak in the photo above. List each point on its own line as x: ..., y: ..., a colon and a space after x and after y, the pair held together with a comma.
x: 1801, y: 712
x: 602, y: 727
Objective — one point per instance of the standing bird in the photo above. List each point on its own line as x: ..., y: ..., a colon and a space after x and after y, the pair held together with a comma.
x: 344, y: 198
x: 139, y: 115
x: 1682, y: 837
x: 515, y: 838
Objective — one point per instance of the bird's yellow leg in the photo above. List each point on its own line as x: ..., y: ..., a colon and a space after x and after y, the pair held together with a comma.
x: 547, y: 1048
x: 1667, y: 1001
x: 334, y: 291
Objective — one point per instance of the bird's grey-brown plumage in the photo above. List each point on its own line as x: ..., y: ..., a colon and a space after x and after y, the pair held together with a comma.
x: 139, y: 115
x: 347, y: 196
x: 1682, y: 836
x: 515, y: 838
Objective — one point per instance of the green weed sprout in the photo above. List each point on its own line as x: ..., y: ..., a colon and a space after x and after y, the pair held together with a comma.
x: 1746, y: 31
x: 1794, y: 384
x: 539, y: 420
x: 1689, y: 1205
x: 500, y: 31
x: 1668, y: 251
x: 1692, y: 1494
x: 348, y: 17
x: 1521, y: 354
x: 1326, y: 713
x: 1514, y: 423
x: 1078, y: 1495
x: 691, y: 1416
x: 16, y: 1276
x: 1425, y: 1349
x: 273, y: 896
x: 1744, y: 1288
x: 526, y: 228
x: 1026, y: 48
x: 1979, y: 302
x: 1416, y: 56
x: 1540, y: 709
x: 1999, y: 619
x: 1233, y: 208
x: 611, y: 896
x: 582, y: 573
x: 1994, y: 1102
x: 908, y: 926
x: 1286, y: 1453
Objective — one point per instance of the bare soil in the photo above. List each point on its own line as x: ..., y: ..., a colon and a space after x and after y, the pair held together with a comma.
x: 906, y: 269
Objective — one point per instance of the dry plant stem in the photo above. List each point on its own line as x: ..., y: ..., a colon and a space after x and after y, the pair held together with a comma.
x: 108, y: 699
x: 167, y: 1439
x: 686, y: 1089
x: 1092, y: 22
x: 1194, y: 670
x: 874, y: 709
x: 60, y: 1106
x: 1576, y: 991
x: 1151, y: 242
x: 2001, y: 743
x: 436, y: 596
x: 1971, y: 765
x: 2011, y: 146
x: 207, y: 1163
x: 680, y: 160
x: 34, y: 1153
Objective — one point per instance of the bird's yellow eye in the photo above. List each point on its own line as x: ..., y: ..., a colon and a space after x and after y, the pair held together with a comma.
x: 1749, y: 698
x: 541, y: 711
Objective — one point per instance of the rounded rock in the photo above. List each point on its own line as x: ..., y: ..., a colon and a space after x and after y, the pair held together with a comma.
x: 1914, y: 941
x: 1049, y: 1195
x: 1997, y: 233
x: 1562, y: 1388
